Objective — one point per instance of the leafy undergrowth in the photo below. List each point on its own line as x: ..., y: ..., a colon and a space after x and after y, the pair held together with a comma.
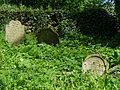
x: 32, y: 66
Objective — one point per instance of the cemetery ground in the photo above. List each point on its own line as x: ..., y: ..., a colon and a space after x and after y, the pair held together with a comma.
x: 32, y: 66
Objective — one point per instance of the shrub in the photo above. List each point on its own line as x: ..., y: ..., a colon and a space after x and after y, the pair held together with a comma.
x: 97, y: 21
x: 32, y: 19
x: 67, y: 5
x: 67, y: 28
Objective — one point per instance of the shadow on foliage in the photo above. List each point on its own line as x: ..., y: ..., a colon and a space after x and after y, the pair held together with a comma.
x: 98, y: 24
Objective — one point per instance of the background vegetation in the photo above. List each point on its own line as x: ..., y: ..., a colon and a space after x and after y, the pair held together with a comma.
x: 43, y: 67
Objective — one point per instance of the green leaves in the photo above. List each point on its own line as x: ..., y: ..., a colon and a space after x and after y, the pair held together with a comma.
x: 34, y: 66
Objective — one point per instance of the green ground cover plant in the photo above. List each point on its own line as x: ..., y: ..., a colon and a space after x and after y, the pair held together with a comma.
x: 31, y: 66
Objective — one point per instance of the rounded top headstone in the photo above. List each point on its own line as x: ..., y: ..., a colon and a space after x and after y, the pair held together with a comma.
x: 95, y: 64
x: 14, y: 32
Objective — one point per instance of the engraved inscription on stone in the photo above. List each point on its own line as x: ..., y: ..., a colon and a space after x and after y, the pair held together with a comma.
x: 95, y: 64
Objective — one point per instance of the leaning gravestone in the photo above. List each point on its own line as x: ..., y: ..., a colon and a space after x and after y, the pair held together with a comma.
x: 14, y: 32
x: 48, y: 36
x: 95, y: 64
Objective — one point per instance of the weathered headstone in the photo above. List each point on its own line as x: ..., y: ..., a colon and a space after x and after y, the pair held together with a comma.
x: 14, y: 32
x: 47, y: 35
x: 95, y: 64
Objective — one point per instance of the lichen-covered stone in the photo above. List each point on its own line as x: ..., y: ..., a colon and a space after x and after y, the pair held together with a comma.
x: 48, y: 36
x: 95, y: 64
x: 14, y: 32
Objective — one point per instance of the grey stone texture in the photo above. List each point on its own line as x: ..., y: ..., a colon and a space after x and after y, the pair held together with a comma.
x: 14, y: 32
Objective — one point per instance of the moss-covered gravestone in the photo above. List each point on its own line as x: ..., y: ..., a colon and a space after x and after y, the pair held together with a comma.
x: 14, y: 32
x: 95, y: 64
x: 48, y: 36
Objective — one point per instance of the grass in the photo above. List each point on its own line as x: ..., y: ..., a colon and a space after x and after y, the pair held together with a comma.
x: 32, y: 66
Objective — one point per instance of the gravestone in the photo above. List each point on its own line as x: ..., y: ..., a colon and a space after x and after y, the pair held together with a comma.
x: 95, y: 64
x: 48, y: 36
x: 14, y: 32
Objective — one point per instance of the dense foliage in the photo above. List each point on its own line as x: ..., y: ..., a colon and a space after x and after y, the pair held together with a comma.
x: 46, y: 4
x: 117, y: 9
x: 94, y: 21
x: 41, y: 66
x: 32, y: 66
x: 97, y: 21
x: 67, y: 5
